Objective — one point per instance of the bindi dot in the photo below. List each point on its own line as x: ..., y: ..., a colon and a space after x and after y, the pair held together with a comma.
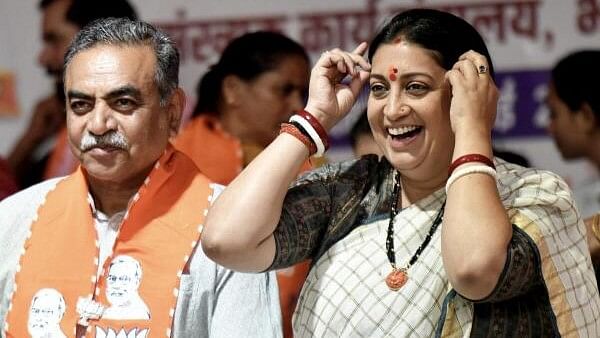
x: 392, y: 73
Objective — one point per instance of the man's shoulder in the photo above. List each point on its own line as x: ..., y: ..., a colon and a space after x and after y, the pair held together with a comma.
x: 29, y: 197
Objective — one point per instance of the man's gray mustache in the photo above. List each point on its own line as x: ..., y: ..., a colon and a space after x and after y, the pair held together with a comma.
x: 108, y: 140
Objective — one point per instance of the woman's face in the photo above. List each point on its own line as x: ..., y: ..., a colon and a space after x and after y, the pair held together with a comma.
x: 272, y: 98
x: 408, y: 108
x: 566, y: 127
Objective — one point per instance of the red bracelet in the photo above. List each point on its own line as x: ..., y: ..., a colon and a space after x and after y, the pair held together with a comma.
x: 470, y: 158
x: 316, y: 125
x: 291, y: 129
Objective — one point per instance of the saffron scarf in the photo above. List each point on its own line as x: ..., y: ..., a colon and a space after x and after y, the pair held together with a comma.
x: 216, y: 153
x: 138, y: 286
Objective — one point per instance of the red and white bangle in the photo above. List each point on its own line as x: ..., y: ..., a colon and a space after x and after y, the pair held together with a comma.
x: 291, y: 129
x: 316, y: 125
x: 312, y: 133
x: 470, y: 158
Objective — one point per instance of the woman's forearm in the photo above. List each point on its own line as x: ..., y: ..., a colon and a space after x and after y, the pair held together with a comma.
x: 240, y: 224
x: 476, y: 229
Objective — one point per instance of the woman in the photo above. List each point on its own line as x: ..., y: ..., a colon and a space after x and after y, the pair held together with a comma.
x: 433, y: 239
x: 259, y: 81
x: 575, y: 127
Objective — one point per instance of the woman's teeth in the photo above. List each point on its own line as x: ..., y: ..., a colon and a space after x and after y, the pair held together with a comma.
x: 400, y: 131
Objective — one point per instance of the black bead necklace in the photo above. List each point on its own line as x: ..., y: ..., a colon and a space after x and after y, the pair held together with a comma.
x: 398, y: 277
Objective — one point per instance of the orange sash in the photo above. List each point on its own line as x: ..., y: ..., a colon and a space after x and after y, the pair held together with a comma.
x: 217, y: 154
x: 139, y: 281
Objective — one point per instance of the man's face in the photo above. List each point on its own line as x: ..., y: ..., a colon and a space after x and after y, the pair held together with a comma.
x: 122, y: 283
x: 116, y: 126
x: 57, y: 34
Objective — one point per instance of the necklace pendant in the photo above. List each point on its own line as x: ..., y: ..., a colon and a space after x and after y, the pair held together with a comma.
x: 396, y: 279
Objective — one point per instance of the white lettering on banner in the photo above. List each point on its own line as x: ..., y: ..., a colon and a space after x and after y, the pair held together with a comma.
x: 541, y: 117
x: 506, y: 117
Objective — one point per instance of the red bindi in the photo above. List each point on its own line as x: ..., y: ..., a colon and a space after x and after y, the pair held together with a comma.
x: 392, y: 73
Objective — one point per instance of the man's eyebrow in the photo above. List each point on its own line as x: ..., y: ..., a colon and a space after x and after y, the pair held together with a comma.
x: 127, y: 90
x: 75, y: 94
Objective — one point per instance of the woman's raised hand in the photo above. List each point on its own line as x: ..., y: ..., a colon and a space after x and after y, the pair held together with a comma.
x: 331, y: 95
x: 474, y: 94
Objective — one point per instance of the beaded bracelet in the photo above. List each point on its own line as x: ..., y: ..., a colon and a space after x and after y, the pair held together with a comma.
x: 470, y: 158
x: 291, y: 129
x: 311, y: 132
x: 475, y: 169
x: 316, y: 125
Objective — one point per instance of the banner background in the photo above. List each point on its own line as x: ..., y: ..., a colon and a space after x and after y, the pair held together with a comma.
x: 525, y: 37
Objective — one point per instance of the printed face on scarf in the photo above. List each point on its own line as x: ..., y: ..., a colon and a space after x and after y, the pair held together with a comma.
x: 46, y: 311
x: 117, y: 127
x: 123, y: 281
x: 408, y: 107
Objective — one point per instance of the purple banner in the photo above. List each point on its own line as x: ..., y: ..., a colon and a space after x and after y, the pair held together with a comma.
x: 522, y: 111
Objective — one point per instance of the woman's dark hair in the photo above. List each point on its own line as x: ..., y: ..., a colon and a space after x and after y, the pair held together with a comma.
x: 447, y: 35
x: 246, y: 57
x: 576, y: 79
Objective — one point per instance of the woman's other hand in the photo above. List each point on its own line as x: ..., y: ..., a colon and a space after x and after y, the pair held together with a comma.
x: 474, y: 94
x: 330, y: 96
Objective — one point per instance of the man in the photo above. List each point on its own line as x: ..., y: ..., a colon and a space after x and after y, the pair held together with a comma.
x: 574, y: 103
x: 32, y: 157
x: 134, y: 195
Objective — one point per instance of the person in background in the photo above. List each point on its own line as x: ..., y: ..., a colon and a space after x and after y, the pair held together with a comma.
x: 574, y: 104
x: 258, y: 83
x: 435, y: 239
x: 34, y: 157
x: 260, y: 80
x: 117, y: 240
x: 361, y: 137
x: 8, y: 183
